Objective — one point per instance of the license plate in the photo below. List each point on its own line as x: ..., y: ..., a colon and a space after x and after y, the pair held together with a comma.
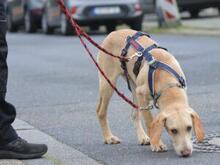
x: 17, y: 11
x: 106, y: 10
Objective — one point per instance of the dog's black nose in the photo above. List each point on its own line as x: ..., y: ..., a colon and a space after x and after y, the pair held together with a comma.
x: 186, y: 152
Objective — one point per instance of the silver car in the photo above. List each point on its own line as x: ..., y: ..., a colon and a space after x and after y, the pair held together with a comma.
x: 93, y: 13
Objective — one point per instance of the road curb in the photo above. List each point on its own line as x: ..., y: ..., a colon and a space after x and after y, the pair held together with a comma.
x: 58, y: 153
x: 182, y: 30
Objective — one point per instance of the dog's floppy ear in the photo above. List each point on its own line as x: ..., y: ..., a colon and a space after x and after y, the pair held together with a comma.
x: 156, y: 128
x: 198, y: 127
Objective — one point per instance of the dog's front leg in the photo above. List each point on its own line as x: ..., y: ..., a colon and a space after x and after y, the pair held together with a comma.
x: 142, y: 136
x: 148, y: 118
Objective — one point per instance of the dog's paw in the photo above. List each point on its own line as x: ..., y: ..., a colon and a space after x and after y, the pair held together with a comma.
x: 112, y: 140
x: 144, y: 140
x: 161, y: 147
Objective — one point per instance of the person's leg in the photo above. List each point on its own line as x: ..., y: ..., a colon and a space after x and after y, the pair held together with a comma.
x: 11, y: 146
x: 7, y: 111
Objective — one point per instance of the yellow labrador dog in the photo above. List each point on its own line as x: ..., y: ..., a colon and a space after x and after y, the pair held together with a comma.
x: 175, y: 115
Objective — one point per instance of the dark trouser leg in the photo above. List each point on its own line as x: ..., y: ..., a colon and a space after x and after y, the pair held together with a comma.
x: 3, y: 51
x: 11, y: 147
x: 7, y: 111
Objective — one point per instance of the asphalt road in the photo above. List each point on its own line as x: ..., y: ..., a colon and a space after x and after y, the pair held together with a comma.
x: 54, y: 86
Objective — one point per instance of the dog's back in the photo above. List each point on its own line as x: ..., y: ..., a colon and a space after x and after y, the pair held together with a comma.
x: 116, y: 41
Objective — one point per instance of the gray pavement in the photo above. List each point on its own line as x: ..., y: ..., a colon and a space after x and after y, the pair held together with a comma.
x: 11, y: 162
x: 58, y: 153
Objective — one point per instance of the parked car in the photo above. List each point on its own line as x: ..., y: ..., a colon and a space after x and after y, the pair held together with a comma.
x: 195, y: 6
x: 93, y: 14
x: 27, y: 13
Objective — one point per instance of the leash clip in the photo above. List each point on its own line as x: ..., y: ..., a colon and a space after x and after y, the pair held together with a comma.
x: 137, y: 54
x: 148, y: 108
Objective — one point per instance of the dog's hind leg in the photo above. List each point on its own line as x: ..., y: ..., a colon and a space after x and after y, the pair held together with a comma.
x: 105, y: 91
x: 143, y: 139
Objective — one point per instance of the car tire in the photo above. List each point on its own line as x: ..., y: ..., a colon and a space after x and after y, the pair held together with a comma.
x: 65, y: 27
x: 110, y: 28
x: 137, y: 24
x: 44, y: 24
x: 194, y: 13
x: 29, y: 23
x: 11, y: 26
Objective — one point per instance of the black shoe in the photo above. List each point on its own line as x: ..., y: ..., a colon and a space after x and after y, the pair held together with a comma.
x: 21, y: 149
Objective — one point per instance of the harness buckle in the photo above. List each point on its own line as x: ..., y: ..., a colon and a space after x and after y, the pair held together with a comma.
x: 153, y: 63
x: 182, y: 82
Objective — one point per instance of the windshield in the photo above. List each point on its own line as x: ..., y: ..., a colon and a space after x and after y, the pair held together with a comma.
x: 99, y: 2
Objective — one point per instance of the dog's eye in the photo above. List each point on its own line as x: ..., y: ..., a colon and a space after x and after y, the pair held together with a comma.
x: 189, y: 128
x: 174, y: 131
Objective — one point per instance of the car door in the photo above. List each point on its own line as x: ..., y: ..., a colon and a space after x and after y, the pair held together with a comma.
x: 16, y: 10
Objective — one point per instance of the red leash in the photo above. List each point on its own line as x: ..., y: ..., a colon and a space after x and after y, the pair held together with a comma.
x: 81, y: 33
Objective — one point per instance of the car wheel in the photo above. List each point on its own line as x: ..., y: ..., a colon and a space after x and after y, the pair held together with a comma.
x: 110, y: 28
x: 137, y: 24
x: 44, y: 24
x: 28, y: 23
x: 65, y: 27
x: 194, y: 13
x: 11, y: 26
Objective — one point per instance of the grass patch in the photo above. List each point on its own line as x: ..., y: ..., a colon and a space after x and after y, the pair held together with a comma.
x: 53, y: 160
x: 166, y: 29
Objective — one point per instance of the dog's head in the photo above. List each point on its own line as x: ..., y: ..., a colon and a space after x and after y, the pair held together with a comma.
x: 179, y: 125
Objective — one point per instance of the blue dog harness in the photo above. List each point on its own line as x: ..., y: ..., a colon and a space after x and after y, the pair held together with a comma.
x: 153, y: 64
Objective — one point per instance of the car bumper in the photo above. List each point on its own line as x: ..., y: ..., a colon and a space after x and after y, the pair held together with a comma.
x: 102, y: 20
x: 185, y: 5
x: 36, y: 15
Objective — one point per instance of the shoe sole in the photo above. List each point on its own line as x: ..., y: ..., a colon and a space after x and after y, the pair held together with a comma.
x: 15, y: 155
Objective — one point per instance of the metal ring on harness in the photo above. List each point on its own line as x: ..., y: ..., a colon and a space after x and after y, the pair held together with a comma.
x: 139, y: 54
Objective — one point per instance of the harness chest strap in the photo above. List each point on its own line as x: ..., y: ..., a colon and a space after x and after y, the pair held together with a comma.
x: 166, y: 67
x: 125, y: 52
x: 154, y: 64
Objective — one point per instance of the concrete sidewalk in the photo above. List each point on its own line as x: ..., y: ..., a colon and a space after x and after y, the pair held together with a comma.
x: 58, y: 153
x: 207, y: 24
